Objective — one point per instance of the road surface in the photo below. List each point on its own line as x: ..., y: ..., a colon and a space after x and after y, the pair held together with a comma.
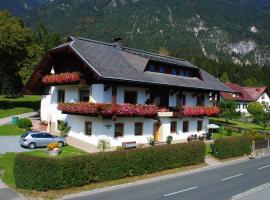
x: 222, y: 183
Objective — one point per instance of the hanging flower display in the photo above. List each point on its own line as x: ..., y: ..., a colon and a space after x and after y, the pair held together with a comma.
x: 190, y: 111
x: 62, y: 78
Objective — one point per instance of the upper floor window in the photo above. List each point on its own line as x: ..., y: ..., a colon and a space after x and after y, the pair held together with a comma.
x: 130, y: 97
x: 200, y: 100
x: 84, y: 95
x: 60, y: 96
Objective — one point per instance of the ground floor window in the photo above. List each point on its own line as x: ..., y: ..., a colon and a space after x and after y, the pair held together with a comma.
x: 199, y: 125
x: 88, y: 128
x: 185, y: 126
x: 138, y: 128
x: 118, y: 130
x: 173, y: 127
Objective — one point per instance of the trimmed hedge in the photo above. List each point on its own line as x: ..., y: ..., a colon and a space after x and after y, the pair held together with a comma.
x: 234, y: 146
x: 42, y: 174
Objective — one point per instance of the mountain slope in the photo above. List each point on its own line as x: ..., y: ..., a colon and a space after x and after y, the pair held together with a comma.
x: 234, y: 30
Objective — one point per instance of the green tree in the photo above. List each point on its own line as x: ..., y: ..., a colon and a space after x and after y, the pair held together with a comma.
x: 103, y: 144
x: 227, y: 108
x: 255, y: 108
x: 225, y: 77
x: 262, y: 119
x: 15, y: 39
x: 251, y: 82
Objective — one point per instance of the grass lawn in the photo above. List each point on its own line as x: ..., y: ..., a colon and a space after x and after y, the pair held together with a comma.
x: 237, y: 123
x: 6, y: 161
x: 208, y: 150
x: 10, y: 129
x: 219, y: 135
x: 15, y: 106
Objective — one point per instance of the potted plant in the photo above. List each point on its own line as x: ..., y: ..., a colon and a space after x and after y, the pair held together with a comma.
x: 169, y: 139
x: 53, y: 149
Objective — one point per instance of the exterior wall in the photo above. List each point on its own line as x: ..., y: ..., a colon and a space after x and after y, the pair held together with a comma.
x: 104, y: 128
x: 264, y: 98
x: 241, y: 106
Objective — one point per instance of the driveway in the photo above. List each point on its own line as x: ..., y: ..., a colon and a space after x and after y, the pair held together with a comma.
x: 10, y: 144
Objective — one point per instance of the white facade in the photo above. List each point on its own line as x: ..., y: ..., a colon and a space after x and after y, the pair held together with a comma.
x: 104, y: 128
x: 241, y: 106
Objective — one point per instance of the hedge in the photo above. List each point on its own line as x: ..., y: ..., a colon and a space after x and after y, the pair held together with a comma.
x: 234, y: 146
x: 31, y: 172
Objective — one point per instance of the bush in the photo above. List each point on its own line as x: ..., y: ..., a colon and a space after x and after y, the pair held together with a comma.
x: 169, y: 139
x: 229, y: 147
x: 42, y: 174
x: 25, y: 123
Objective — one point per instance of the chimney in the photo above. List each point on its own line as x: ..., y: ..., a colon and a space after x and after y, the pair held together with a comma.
x: 117, y: 43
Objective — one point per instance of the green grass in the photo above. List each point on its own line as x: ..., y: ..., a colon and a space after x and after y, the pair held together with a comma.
x: 241, y: 124
x: 7, y: 160
x: 219, y: 135
x: 208, y: 150
x: 15, y: 106
x: 10, y: 129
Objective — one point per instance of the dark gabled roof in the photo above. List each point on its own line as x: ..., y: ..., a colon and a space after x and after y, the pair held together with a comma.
x: 243, y: 93
x: 126, y: 64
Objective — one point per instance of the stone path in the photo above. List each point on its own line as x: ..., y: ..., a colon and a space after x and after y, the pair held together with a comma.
x: 212, y: 161
x: 7, y: 120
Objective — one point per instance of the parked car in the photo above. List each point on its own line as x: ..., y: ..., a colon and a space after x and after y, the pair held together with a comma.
x: 33, y: 139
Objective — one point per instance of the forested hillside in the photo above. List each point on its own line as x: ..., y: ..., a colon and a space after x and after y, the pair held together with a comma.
x: 222, y: 36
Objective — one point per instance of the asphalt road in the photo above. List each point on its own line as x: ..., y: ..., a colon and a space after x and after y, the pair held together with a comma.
x: 220, y: 183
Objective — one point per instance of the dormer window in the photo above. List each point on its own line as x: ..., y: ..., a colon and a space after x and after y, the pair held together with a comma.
x: 172, y: 69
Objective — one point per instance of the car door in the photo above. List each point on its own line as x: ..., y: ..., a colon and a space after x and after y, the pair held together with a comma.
x: 37, y: 139
x: 47, y: 139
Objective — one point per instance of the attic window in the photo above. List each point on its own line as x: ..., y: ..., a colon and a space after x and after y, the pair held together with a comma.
x: 173, y: 70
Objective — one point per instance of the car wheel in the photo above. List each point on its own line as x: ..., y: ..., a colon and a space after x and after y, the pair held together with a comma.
x: 61, y: 144
x: 32, y: 145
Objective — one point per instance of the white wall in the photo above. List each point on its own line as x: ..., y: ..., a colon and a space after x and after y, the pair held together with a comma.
x: 264, y: 98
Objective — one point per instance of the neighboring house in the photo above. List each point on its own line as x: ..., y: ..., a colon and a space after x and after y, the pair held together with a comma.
x: 114, y: 79
x: 244, y: 95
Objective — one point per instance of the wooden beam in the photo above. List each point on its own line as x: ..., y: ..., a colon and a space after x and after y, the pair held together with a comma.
x: 107, y: 87
x: 195, y: 94
x: 173, y: 92
x: 114, y: 94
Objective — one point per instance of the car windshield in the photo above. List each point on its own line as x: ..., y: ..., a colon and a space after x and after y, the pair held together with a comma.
x: 25, y: 135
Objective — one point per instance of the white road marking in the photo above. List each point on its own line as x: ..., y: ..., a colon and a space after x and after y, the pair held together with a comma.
x: 266, y: 166
x: 185, y: 190
x: 224, y: 179
x: 239, y: 196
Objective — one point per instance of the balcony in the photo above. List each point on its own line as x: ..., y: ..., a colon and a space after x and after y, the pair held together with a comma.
x: 67, y: 78
x: 191, y: 111
x: 110, y: 110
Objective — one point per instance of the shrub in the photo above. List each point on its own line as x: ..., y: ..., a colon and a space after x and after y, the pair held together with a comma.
x: 151, y: 141
x: 42, y: 174
x: 169, y: 139
x: 64, y: 128
x: 104, y: 144
x: 25, y: 123
x: 228, y: 147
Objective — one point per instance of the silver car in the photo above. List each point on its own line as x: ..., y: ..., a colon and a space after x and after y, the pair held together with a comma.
x: 34, y: 139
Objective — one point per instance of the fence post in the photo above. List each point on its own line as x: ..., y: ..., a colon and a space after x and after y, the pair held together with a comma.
x: 253, y: 145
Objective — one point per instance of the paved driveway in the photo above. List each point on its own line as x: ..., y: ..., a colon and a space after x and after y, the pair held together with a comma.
x: 10, y: 144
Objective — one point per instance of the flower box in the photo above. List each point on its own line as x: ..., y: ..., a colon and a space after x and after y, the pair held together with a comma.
x: 199, y: 111
x: 62, y: 78
x: 109, y: 110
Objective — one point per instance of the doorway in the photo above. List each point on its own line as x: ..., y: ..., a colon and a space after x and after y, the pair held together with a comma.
x: 156, y: 131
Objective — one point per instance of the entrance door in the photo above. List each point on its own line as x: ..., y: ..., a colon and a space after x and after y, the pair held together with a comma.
x: 156, y: 132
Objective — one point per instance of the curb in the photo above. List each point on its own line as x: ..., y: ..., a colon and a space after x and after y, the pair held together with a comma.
x: 141, y: 182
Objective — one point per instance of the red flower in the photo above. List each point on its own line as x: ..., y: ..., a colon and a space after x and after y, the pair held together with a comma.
x: 198, y: 111
x: 62, y: 78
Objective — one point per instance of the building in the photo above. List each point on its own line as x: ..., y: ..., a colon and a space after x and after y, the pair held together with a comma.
x: 124, y: 95
x: 244, y: 95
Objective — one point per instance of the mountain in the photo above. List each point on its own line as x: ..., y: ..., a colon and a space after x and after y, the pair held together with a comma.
x: 232, y: 30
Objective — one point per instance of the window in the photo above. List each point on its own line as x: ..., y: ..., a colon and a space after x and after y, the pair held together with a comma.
x: 185, y: 126
x: 199, y: 125
x: 139, y: 128
x: 130, y: 97
x: 118, y: 130
x: 88, y: 128
x: 181, y: 98
x: 84, y: 95
x: 173, y: 127
x: 60, y: 96
x: 184, y: 100
x: 200, y: 100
